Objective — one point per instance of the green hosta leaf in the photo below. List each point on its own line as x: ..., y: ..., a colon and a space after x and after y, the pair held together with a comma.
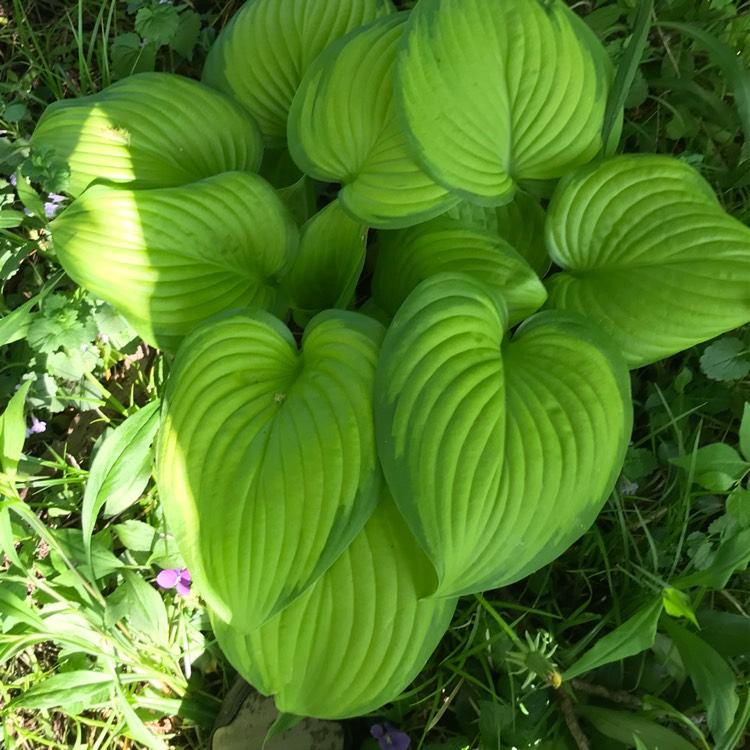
x: 357, y: 637
x: 520, y: 223
x: 649, y: 255
x: 495, y: 92
x: 499, y: 454
x: 343, y: 127
x: 169, y: 258
x: 330, y: 259
x: 407, y: 257
x: 261, y: 56
x: 149, y: 130
x: 266, y: 459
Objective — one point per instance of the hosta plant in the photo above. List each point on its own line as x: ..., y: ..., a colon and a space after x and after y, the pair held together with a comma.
x: 381, y: 398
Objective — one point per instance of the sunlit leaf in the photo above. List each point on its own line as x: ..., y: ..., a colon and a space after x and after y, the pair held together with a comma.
x: 149, y: 130
x: 343, y: 127
x: 266, y: 461
x: 499, y: 454
x: 407, y: 257
x: 357, y: 637
x: 169, y: 258
x: 496, y: 92
x: 648, y: 254
x: 261, y: 56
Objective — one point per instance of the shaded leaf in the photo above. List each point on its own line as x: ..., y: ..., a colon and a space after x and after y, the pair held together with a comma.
x: 726, y: 359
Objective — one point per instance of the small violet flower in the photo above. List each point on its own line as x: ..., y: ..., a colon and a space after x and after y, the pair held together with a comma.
x: 12, y: 179
x: 178, y: 578
x: 390, y: 738
x: 52, y: 206
x: 37, y: 427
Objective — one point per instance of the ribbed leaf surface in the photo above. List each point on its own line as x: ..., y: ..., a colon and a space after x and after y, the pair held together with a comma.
x: 649, y: 255
x: 149, y: 130
x: 169, y: 258
x: 328, y: 265
x: 520, y: 223
x: 261, y: 56
x: 357, y: 637
x: 494, y: 92
x: 498, y: 454
x: 407, y: 257
x: 266, y: 457
x: 343, y: 127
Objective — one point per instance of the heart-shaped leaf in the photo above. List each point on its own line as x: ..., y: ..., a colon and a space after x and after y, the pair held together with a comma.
x: 261, y: 56
x: 520, y: 223
x: 343, y: 127
x: 499, y: 454
x: 169, y: 258
x: 357, y: 637
x: 649, y: 254
x: 407, y: 257
x: 266, y: 458
x: 330, y: 259
x: 494, y: 92
x: 149, y: 130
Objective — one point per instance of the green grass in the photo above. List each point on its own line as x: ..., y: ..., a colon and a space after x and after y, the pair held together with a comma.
x: 670, y: 524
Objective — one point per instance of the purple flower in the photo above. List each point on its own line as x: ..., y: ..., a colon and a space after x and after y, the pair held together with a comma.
x: 52, y: 206
x: 178, y: 578
x: 12, y: 179
x: 37, y: 427
x: 390, y: 738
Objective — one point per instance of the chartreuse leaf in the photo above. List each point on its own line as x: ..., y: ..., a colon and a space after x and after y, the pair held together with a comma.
x: 520, y: 223
x: 266, y: 459
x: 499, y: 454
x: 343, y: 127
x: 712, y: 677
x: 407, y: 257
x: 149, y: 130
x: 648, y: 254
x: 330, y: 259
x: 261, y: 56
x: 357, y: 637
x: 496, y: 92
x: 169, y: 258
x: 634, y: 635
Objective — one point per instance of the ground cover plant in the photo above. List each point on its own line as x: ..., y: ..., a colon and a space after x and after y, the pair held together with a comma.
x: 429, y: 413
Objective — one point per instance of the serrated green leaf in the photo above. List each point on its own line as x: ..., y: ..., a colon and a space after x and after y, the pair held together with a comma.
x: 170, y: 258
x: 149, y: 130
x: 357, y: 637
x: 261, y: 56
x: 343, y: 127
x: 121, y: 468
x: 130, y: 56
x: 186, y: 36
x: 520, y: 223
x: 84, y: 687
x: 713, y: 679
x: 477, y: 435
x: 634, y: 635
x: 733, y: 555
x: 407, y: 257
x: 648, y: 254
x: 726, y: 359
x: 327, y: 267
x: 157, y: 23
x: 266, y: 460
x: 495, y: 92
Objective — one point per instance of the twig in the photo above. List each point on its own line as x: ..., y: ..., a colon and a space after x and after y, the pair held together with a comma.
x: 616, y: 696
x: 566, y: 705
